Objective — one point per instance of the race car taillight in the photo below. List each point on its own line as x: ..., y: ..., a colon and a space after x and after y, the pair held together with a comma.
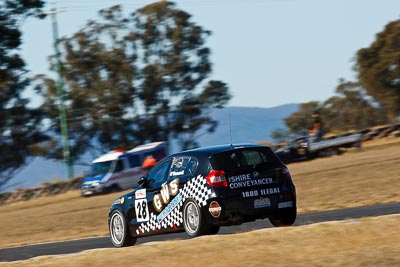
x: 217, y: 179
x: 285, y: 174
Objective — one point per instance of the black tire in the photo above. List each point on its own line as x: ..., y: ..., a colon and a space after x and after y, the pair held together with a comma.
x: 193, y: 220
x: 119, y: 230
x: 285, y: 217
x: 213, y: 229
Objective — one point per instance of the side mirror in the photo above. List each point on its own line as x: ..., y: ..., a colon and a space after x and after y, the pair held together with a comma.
x: 143, y: 181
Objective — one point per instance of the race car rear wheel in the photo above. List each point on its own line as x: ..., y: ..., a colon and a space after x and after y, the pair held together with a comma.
x: 285, y: 217
x: 213, y: 229
x: 193, y: 220
x: 119, y: 231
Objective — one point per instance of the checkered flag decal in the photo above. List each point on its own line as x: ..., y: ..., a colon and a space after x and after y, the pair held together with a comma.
x: 174, y: 218
x: 151, y: 225
x: 195, y: 188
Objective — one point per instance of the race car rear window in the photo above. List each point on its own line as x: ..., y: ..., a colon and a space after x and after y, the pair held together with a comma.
x: 241, y: 158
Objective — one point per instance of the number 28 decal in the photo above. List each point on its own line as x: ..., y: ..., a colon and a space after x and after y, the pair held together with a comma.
x: 142, y: 210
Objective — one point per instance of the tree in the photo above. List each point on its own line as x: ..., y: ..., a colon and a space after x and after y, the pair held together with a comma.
x: 351, y: 109
x: 300, y: 122
x: 135, y: 79
x: 280, y: 135
x: 378, y: 69
x: 18, y: 122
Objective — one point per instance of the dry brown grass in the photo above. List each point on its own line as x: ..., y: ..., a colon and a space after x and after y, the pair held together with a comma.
x: 351, y: 180
x: 60, y: 217
x: 354, y: 179
x: 381, y: 142
x: 364, y: 242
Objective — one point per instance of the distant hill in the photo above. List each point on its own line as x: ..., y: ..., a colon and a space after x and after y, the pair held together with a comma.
x: 249, y: 125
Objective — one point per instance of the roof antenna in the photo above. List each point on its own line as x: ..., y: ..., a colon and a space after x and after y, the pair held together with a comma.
x: 230, y: 128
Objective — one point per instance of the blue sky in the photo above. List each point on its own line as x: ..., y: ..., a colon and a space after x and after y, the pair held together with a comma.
x: 269, y: 52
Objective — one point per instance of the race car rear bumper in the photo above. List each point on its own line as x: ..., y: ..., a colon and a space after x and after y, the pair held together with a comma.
x: 230, y: 211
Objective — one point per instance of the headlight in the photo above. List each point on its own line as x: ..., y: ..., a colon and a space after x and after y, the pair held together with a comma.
x: 119, y: 201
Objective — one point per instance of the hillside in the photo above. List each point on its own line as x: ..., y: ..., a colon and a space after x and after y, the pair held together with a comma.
x: 248, y: 124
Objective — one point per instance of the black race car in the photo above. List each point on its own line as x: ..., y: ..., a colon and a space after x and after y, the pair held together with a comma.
x: 199, y: 190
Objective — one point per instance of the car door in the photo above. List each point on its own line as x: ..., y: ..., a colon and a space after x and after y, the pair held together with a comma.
x: 172, y: 195
x: 161, y: 196
x: 148, y: 200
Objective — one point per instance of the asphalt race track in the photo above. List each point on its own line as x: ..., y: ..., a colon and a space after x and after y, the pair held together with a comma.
x: 73, y: 246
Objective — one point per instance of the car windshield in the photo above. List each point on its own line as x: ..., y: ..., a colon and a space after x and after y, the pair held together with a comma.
x: 100, y: 168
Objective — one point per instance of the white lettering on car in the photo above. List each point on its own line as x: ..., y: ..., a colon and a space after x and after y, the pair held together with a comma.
x: 262, y: 192
x: 142, y: 210
x: 239, y: 178
x: 174, y: 173
x: 157, y: 204
x: 253, y: 193
x: 167, y: 191
x: 270, y: 191
x: 173, y: 187
x: 169, y: 208
x: 141, y: 193
x: 165, y: 194
x: 248, y: 183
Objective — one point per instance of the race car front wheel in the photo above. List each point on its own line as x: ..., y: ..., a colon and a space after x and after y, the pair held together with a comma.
x: 119, y: 231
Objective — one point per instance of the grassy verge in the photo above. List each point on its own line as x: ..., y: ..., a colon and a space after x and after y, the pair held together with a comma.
x: 347, y: 243
x: 351, y: 180
x: 354, y: 179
